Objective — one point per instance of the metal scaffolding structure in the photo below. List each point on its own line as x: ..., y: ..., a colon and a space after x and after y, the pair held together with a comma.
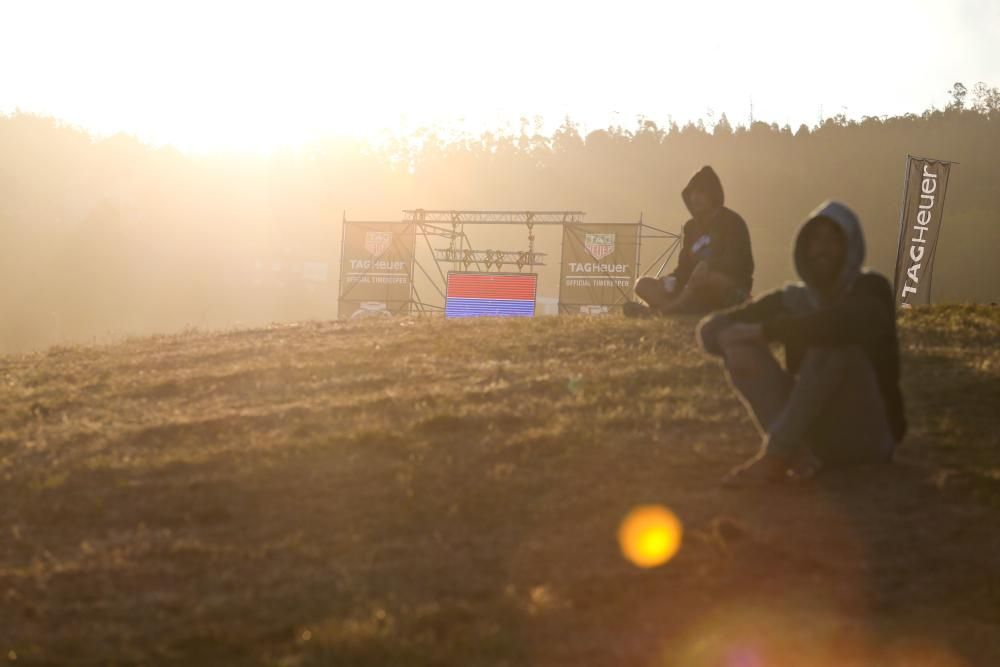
x: 450, y: 225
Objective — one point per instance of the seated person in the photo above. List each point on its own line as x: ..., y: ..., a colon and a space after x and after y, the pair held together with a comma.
x: 715, y: 264
x: 838, y: 402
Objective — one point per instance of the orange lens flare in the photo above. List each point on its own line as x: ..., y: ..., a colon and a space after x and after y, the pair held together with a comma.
x: 650, y: 535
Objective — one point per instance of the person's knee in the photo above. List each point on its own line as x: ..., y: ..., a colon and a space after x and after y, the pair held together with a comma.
x: 707, y: 333
x: 699, y: 274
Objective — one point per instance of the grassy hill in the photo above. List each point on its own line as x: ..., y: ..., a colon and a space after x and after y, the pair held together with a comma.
x: 417, y: 492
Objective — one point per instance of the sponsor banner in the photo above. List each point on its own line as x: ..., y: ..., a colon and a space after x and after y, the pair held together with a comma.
x: 376, y: 267
x: 599, y: 264
x: 491, y: 294
x: 920, y: 226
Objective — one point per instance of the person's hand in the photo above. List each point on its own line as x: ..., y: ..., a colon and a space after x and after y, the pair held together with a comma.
x: 740, y: 332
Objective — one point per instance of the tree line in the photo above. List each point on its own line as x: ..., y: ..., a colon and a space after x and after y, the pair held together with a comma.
x: 101, y: 237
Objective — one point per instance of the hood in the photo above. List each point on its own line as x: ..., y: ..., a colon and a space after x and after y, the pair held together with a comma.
x: 849, y: 224
x: 708, y: 182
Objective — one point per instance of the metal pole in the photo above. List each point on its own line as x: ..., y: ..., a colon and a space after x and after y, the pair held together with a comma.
x: 902, y: 221
x: 340, y: 279
x: 638, y: 252
x: 413, y: 259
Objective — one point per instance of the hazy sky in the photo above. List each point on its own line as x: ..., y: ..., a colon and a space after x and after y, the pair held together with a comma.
x: 253, y: 75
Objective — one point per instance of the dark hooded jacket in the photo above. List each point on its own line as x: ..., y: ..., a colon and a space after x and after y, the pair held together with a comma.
x: 723, y: 241
x: 859, y: 310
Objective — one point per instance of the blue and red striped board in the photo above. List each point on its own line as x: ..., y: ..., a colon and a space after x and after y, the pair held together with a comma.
x: 491, y: 294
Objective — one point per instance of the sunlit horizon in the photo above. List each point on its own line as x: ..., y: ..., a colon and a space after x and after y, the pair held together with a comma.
x: 260, y: 75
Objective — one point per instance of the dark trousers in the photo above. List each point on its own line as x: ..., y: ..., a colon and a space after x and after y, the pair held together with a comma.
x: 833, y: 405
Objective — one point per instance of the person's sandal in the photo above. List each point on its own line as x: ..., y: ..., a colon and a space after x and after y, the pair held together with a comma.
x: 636, y: 310
x: 761, y: 469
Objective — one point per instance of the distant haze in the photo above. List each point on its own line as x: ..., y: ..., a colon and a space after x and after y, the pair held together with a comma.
x: 256, y: 76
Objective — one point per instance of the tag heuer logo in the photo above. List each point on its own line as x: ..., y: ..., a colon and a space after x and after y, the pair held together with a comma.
x: 377, y: 243
x: 599, y: 245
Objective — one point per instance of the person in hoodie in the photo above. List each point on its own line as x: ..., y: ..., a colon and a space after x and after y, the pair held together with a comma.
x: 838, y: 399
x: 715, y: 264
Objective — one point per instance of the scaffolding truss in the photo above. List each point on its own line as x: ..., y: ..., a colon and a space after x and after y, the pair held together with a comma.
x: 420, y: 215
x: 490, y: 258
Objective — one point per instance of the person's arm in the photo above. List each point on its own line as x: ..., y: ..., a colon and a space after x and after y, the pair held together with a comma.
x: 764, y: 309
x: 734, y: 258
x: 685, y: 262
x: 862, y: 316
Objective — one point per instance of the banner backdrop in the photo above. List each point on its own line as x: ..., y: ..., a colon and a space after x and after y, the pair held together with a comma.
x: 921, y: 215
x: 376, y: 269
x: 599, y: 266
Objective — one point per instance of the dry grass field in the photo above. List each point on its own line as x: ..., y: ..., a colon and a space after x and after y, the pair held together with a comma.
x: 429, y: 492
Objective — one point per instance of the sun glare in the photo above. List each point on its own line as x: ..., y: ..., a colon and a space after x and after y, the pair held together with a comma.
x: 260, y: 75
x: 650, y: 535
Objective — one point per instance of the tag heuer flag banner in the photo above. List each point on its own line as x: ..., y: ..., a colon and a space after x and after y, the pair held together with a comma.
x: 491, y: 294
x: 920, y: 225
x: 376, y: 269
x: 598, y: 266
